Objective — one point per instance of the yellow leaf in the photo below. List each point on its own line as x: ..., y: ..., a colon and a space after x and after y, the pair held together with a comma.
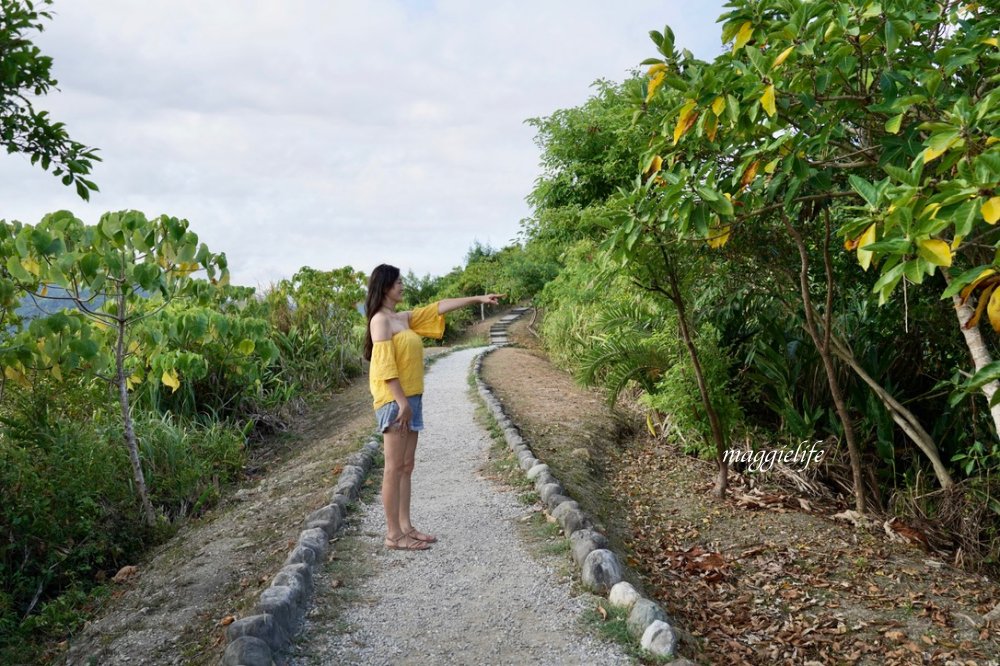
x: 769, y: 168
x: 131, y: 381
x: 935, y: 251
x: 993, y: 310
x: 30, y: 265
x: 57, y: 373
x: 45, y: 291
x: 991, y: 40
x: 865, y: 256
x: 133, y: 347
x: 767, y: 100
x: 654, y: 83
x: 649, y: 425
x: 711, y: 126
x: 749, y: 174
x: 743, y: 36
x: 956, y: 241
x: 170, y: 379
x: 967, y: 291
x: 16, y: 375
x: 934, y: 153
x: 782, y: 56
x: 655, y: 165
x: 930, y: 211
x: 718, y: 237
x: 984, y: 298
x: 719, y: 105
x: 991, y: 210
x: 658, y: 67
x: 682, y: 120
x: 990, y: 141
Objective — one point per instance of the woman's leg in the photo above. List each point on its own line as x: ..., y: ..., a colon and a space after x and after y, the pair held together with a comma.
x: 396, y: 444
x: 409, y: 460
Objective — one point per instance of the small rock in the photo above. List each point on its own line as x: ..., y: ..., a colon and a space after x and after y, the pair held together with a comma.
x: 623, y: 595
x: 247, y: 651
x: 556, y: 499
x: 643, y: 614
x: 570, y: 517
x: 301, y: 554
x: 316, y: 539
x: 659, y: 639
x: 527, y: 460
x: 360, y: 460
x: 582, y: 542
x: 328, y: 512
x: 294, y: 582
x: 341, y: 500
x: 279, y: 601
x: 601, y: 570
x: 536, y: 470
x: 261, y: 626
x: 543, y: 480
x: 515, y: 440
x: 548, y: 490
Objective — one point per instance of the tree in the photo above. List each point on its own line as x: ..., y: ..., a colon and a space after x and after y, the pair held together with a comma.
x: 822, y: 119
x: 25, y: 72
x: 118, y: 274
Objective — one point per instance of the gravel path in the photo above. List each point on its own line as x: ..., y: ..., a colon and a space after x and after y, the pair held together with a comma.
x: 477, y: 597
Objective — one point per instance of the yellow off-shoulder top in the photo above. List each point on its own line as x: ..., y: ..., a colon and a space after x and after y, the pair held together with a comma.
x: 403, y: 356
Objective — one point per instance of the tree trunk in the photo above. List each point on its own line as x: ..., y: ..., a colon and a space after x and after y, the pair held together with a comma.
x: 823, y: 347
x: 903, y: 417
x: 977, y: 349
x: 133, y: 447
x: 722, y: 479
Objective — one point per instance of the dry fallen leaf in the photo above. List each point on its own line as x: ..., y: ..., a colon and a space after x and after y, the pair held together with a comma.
x: 895, y: 635
x: 125, y: 573
x: 336, y: 583
x: 602, y: 611
x: 226, y: 621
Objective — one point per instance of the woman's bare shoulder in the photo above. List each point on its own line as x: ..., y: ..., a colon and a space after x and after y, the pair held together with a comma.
x: 381, y: 327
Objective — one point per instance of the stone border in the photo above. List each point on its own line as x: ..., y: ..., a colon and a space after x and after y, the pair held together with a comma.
x: 254, y: 640
x: 600, y: 568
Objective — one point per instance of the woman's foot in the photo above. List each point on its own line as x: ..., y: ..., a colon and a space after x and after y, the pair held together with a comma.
x: 405, y: 542
x: 420, y: 536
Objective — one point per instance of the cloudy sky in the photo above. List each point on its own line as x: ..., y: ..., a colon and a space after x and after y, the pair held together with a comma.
x: 325, y: 133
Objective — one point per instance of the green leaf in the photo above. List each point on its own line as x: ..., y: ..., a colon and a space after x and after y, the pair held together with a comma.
x: 867, y: 191
x: 888, y: 281
x: 990, y: 372
x: 892, y: 125
x: 890, y: 246
x: 958, y: 283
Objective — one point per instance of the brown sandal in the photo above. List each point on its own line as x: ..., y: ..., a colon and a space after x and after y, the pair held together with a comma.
x: 393, y: 544
x: 431, y: 539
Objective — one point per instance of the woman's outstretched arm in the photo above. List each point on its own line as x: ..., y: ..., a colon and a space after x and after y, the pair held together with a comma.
x: 449, y: 304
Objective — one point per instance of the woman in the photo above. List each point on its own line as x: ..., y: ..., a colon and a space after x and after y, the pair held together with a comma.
x: 396, y: 380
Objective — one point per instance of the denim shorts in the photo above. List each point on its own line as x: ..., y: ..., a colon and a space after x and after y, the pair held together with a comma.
x: 388, y: 412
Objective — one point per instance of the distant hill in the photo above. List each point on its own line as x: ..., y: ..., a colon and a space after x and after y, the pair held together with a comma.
x: 56, y: 299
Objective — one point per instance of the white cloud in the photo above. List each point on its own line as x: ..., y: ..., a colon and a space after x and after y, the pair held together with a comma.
x: 329, y: 133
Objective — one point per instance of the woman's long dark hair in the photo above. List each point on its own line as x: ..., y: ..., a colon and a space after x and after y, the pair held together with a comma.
x: 381, y: 281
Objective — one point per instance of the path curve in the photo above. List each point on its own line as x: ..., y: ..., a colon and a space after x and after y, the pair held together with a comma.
x: 477, y: 597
